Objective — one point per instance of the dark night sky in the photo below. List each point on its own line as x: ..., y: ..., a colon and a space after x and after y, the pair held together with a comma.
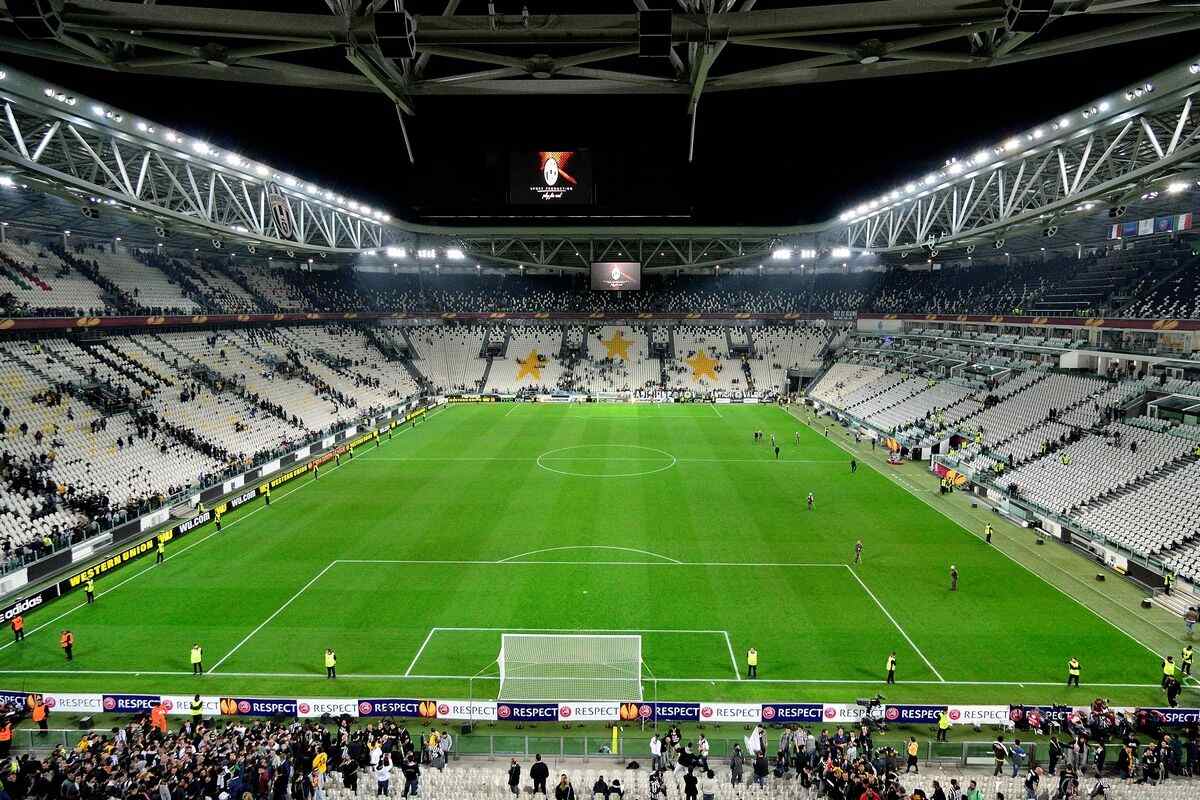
x: 799, y: 154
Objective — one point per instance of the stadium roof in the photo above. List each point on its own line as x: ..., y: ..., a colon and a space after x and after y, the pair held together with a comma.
x: 444, y: 47
x: 1130, y: 147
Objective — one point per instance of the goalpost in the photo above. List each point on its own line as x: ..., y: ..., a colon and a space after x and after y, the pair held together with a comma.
x: 537, y: 666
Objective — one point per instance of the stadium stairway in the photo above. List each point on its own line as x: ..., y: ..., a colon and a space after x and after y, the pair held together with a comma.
x: 240, y: 279
x: 487, y: 369
x: 120, y: 365
x: 174, y: 351
x: 190, y: 284
x: 1178, y: 601
x: 411, y: 368
x: 381, y: 342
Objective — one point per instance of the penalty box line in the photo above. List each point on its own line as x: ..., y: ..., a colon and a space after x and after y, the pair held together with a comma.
x: 906, y: 487
x: 176, y: 553
x: 682, y: 631
x: 506, y: 563
x: 888, y: 614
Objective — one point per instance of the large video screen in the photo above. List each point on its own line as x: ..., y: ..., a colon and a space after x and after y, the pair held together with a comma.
x: 616, y: 276
x: 550, y: 178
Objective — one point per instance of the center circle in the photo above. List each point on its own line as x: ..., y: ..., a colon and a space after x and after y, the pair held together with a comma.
x: 606, y: 460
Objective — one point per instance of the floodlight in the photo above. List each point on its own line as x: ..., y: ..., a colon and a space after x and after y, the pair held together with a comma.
x: 781, y: 253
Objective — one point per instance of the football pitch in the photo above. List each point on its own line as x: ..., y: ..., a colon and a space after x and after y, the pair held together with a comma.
x: 665, y: 521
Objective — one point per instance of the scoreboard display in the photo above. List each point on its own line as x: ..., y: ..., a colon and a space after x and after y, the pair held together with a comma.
x: 616, y: 276
x: 550, y: 178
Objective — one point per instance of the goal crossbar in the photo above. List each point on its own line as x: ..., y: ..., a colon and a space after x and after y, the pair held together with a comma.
x: 542, y: 666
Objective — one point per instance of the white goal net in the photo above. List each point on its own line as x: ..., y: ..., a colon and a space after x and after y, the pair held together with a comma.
x: 570, y: 667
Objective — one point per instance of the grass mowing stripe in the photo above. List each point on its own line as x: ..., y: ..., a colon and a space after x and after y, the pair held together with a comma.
x: 181, y: 551
x: 738, y: 529
x: 277, y: 612
x: 894, y: 479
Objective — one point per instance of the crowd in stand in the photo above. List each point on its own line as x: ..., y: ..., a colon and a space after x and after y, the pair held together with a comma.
x: 954, y: 289
x: 307, y: 760
x: 207, y: 760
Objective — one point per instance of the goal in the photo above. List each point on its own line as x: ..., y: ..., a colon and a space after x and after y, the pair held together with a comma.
x: 570, y: 667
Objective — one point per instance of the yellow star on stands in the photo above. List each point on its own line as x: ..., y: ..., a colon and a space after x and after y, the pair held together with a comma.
x: 530, y: 366
x: 703, y: 365
x: 617, y: 346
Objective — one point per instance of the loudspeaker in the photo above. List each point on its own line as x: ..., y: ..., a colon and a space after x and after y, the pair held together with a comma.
x: 35, y: 19
x: 396, y: 33
x: 654, y: 33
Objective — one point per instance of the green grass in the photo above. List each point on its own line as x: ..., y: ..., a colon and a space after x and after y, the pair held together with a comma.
x: 663, y: 519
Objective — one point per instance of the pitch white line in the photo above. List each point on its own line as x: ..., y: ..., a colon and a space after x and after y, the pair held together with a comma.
x: 517, y: 460
x: 732, y: 658
x: 183, y: 550
x: 179, y: 552
x: 589, y: 547
x: 765, y: 460
x: 1057, y: 588
x: 420, y: 650
x: 888, y: 614
x: 588, y: 630
x: 714, y: 408
x: 398, y: 677
x: 671, y: 563
x: 278, y: 611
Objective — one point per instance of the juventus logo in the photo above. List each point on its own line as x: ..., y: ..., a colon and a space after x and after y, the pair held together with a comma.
x: 279, y: 211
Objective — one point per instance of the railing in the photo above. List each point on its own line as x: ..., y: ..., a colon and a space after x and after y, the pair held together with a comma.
x: 1074, y: 525
x: 550, y: 747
